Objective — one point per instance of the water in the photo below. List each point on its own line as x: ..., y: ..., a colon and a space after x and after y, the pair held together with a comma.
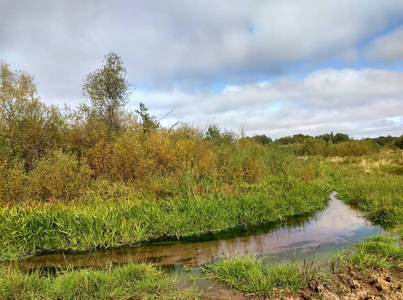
x: 316, y: 237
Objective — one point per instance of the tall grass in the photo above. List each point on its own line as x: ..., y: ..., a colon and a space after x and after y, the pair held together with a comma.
x: 374, y: 184
x: 30, y: 230
x: 132, y: 280
x: 253, y: 275
x: 375, y: 252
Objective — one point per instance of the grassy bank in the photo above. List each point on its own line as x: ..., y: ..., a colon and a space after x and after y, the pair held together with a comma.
x: 29, y: 230
x: 249, y: 274
x: 256, y: 276
x: 373, y: 183
x: 375, y: 252
x: 138, y: 281
x: 252, y: 275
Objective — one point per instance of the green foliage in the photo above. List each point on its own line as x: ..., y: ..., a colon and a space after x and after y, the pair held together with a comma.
x: 340, y: 137
x: 324, y: 148
x: 398, y: 143
x: 214, y: 134
x: 297, y: 138
x: 148, y: 123
x: 108, y: 91
x: 262, y: 139
x: 58, y: 176
x: 383, y: 140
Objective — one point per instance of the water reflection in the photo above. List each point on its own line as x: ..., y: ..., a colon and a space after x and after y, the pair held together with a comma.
x: 336, y: 226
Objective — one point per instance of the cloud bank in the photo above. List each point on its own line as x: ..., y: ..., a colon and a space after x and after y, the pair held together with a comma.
x: 365, y: 102
x: 279, y: 67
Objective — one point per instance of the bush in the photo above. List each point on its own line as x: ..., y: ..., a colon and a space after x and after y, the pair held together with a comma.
x: 12, y: 182
x: 59, y: 176
x: 354, y: 148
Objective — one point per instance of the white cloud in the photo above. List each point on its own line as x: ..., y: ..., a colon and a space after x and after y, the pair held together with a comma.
x: 388, y: 47
x: 326, y: 100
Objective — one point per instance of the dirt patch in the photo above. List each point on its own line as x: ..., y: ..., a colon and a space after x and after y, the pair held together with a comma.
x: 346, y: 285
x: 363, y: 285
x: 225, y: 294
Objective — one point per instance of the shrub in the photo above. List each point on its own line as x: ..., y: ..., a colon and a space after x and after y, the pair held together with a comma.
x: 354, y: 148
x: 12, y: 182
x: 59, y: 176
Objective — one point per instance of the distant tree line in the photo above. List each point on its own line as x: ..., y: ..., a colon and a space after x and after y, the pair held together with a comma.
x: 329, y: 138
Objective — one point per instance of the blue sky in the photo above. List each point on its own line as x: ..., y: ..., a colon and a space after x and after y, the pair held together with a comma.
x: 277, y: 67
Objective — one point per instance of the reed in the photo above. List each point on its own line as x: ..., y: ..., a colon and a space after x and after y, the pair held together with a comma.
x: 30, y: 230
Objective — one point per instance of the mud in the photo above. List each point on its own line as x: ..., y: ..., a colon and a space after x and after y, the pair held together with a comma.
x: 346, y: 285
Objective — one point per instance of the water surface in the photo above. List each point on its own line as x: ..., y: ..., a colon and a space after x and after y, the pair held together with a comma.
x: 315, y: 237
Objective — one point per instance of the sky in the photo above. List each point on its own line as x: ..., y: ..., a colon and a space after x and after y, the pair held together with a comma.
x: 274, y: 67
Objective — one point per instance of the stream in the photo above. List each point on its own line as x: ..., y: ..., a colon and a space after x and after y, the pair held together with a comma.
x: 316, y: 238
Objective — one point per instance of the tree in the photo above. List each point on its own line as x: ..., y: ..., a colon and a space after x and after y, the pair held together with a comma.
x: 149, y: 123
x: 213, y: 133
x: 262, y: 139
x: 398, y: 143
x: 108, y: 90
x: 340, y: 137
x: 30, y: 127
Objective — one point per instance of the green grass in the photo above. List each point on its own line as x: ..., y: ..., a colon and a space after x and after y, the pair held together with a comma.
x: 103, y: 224
x: 140, y: 280
x: 375, y: 252
x: 252, y: 275
x: 377, y: 192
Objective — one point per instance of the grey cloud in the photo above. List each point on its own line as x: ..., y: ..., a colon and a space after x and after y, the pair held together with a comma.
x: 387, y: 48
x: 169, y: 43
x: 175, y: 47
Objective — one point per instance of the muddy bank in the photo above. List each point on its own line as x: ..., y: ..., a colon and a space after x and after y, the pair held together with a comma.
x: 346, y: 285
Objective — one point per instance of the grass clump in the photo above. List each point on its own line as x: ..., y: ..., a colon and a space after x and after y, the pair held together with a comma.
x: 251, y: 274
x: 140, y: 280
x: 375, y: 252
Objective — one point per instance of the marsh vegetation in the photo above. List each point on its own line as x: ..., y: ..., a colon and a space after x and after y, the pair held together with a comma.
x: 100, y: 176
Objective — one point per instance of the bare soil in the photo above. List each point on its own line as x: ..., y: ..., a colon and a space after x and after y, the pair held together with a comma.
x: 346, y: 285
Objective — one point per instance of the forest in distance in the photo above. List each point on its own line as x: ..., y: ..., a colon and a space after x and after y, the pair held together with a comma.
x: 100, y: 176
